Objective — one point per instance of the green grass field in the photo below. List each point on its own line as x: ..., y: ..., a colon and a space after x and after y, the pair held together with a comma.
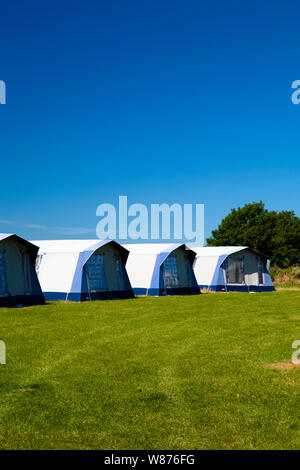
x: 152, y: 373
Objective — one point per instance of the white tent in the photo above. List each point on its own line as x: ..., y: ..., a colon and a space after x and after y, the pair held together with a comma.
x: 232, y: 268
x: 161, y: 269
x: 81, y: 270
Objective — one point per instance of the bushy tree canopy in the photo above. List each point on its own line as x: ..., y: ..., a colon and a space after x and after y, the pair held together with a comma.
x: 275, y: 234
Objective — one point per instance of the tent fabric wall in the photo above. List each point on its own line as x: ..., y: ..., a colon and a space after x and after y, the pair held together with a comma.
x: 61, y: 269
x: 144, y: 266
x: 209, y: 267
x: 22, y: 287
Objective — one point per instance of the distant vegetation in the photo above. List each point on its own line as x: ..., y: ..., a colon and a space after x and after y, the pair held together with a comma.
x: 275, y: 234
x: 288, y: 277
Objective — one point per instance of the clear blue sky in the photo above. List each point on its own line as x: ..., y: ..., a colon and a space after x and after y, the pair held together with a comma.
x: 164, y: 101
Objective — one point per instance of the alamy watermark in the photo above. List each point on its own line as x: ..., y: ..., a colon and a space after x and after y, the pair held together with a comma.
x: 2, y: 352
x: 158, y: 222
x: 295, y: 358
x: 296, y: 94
x: 2, y: 92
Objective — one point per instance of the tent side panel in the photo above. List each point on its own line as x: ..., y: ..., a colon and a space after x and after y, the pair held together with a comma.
x: 267, y: 280
x: 140, y: 269
x: 204, y: 268
x: 56, y: 273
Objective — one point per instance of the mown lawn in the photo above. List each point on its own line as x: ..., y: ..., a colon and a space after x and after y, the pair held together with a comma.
x: 152, y: 373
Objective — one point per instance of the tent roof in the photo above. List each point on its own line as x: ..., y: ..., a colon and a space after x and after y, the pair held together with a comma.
x: 217, y: 250
x: 223, y: 250
x: 31, y: 245
x: 153, y: 248
x: 63, y: 246
x: 71, y: 246
x: 5, y: 235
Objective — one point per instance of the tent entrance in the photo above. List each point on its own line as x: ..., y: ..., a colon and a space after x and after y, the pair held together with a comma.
x: 26, y: 273
x: 234, y: 269
x: 3, y: 282
x: 260, y: 271
x: 119, y: 272
x: 170, y: 273
x: 177, y: 276
x: 103, y: 277
x: 95, y: 274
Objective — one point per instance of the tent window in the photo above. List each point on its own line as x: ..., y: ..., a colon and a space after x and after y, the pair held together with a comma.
x: 170, y: 272
x: 260, y: 270
x: 3, y: 283
x: 26, y: 272
x: 234, y: 268
x: 95, y: 273
x: 119, y: 272
x: 38, y: 263
x: 188, y: 270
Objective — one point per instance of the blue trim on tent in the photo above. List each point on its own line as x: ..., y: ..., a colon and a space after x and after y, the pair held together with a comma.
x: 144, y: 291
x: 73, y: 296
x: 156, y: 271
x: 166, y: 292
x: 77, y: 279
x: 215, y: 278
x: 85, y: 296
x: 241, y: 288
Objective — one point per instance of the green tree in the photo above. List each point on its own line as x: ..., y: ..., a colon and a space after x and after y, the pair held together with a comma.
x: 275, y: 234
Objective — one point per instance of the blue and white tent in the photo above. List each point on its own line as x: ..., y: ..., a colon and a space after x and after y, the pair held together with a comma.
x: 232, y: 268
x: 79, y: 270
x: 161, y: 269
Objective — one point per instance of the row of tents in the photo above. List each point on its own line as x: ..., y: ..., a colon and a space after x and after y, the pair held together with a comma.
x: 80, y: 270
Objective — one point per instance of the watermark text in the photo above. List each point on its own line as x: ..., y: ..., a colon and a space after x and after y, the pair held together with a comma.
x: 2, y: 92
x: 296, y: 94
x: 295, y: 358
x: 156, y: 222
x: 2, y: 352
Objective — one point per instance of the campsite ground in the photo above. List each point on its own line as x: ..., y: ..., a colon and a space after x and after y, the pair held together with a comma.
x: 152, y: 373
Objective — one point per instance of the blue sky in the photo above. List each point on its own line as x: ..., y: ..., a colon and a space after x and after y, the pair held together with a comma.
x: 162, y: 101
